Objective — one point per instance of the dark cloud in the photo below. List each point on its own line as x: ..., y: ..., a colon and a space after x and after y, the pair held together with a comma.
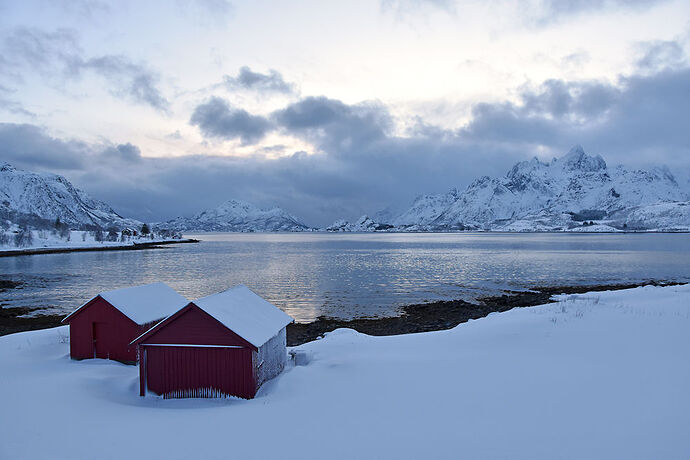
x: 128, y: 78
x: 270, y: 82
x: 32, y: 147
x: 127, y: 152
x: 58, y: 53
x: 29, y: 146
x: 331, y: 124
x: 217, y: 119
x: 335, y: 126
x: 661, y: 54
x: 572, y: 100
x: 642, y: 114
x: 360, y: 165
x: 45, y: 53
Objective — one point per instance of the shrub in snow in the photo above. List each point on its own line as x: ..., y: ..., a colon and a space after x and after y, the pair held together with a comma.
x: 64, y: 232
x: 23, y: 238
x: 112, y: 235
x: 98, y: 235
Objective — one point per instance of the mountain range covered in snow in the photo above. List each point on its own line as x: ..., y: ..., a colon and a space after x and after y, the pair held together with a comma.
x: 576, y: 192
x: 237, y: 216
x: 38, y: 199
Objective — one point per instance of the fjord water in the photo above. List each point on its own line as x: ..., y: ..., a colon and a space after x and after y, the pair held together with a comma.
x: 352, y: 275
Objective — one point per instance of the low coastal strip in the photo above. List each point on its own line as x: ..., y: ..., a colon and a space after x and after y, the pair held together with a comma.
x: 433, y: 316
x: 119, y: 247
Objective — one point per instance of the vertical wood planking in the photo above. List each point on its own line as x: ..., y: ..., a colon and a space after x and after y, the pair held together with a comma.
x: 195, y: 372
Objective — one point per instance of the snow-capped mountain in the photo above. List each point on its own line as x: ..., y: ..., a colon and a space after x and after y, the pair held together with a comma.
x: 363, y: 224
x: 426, y: 208
x: 29, y: 197
x: 237, y: 216
x: 574, y: 192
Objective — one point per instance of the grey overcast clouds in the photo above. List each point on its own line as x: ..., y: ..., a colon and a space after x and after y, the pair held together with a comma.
x: 333, y: 109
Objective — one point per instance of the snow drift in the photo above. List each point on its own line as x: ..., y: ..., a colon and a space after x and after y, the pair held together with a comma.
x: 599, y: 375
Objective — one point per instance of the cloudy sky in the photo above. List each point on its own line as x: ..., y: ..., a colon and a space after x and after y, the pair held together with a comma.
x: 333, y: 109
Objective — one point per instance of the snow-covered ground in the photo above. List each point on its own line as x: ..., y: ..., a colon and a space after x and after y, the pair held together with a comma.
x: 597, y: 376
x: 46, y: 239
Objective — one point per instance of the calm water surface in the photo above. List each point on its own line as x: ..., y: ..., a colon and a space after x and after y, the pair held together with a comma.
x: 351, y: 275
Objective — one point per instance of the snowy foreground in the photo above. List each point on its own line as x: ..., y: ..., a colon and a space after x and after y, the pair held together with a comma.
x: 601, y: 375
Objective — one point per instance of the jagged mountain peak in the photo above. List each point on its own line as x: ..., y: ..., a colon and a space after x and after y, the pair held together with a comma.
x: 522, y: 168
x: 577, y: 160
x: 554, y: 195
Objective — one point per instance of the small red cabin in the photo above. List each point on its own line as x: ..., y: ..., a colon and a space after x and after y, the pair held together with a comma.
x: 105, y: 326
x: 226, y: 344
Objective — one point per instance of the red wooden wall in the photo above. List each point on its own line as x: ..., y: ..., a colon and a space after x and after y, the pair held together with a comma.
x: 195, y: 372
x: 224, y: 368
x: 100, y: 330
x: 192, y: 325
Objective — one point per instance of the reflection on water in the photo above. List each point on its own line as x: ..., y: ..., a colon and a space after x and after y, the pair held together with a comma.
x: 348, y: 275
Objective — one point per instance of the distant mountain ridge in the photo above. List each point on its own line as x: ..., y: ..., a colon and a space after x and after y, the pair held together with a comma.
x: 38, y: 198
x: 576, y: 192
x: 237, y: 216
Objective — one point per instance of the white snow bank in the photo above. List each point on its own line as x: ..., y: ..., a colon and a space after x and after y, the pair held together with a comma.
x: 601, y: 375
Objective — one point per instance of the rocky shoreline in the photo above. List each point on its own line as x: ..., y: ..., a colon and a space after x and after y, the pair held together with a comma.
x: 434, y: 316
x: 438, y: 316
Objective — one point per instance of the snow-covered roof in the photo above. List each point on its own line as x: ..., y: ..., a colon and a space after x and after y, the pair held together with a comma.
x: 246, y: 314
x: 143, y: 304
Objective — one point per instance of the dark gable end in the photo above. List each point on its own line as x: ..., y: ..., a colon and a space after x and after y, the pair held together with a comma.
x: 192, y: 326
x: 98, y: 299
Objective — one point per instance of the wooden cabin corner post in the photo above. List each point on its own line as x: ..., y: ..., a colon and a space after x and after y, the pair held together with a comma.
x: 142, y: 370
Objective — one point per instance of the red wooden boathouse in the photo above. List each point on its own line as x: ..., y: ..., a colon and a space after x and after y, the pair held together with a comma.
x: 226, y: 344
x: 105, y: 326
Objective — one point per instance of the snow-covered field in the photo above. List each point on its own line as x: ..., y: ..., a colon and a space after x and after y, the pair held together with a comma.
x: 602, y: 375
x: 46, y: 239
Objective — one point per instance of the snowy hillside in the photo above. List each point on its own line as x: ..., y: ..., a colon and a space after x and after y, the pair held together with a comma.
x: 237, y: 216
x: 601, y: 375
x: 565, y: 194
x: 29, y: 197
x: 426, y: 208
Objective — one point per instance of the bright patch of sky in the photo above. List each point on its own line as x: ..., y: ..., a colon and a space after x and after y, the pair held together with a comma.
x: 431, y: 60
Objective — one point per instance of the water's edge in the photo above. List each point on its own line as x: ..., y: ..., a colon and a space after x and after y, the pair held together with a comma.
x: 425, y: 317
x: 121, y: 247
